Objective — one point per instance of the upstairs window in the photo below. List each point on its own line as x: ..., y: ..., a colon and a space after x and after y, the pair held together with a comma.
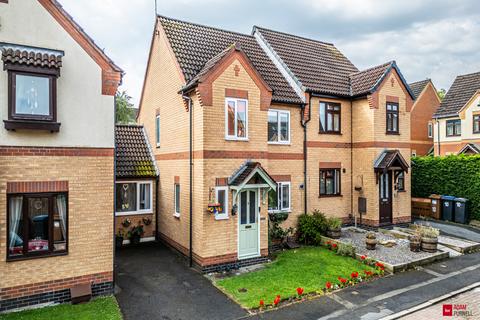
x: 236, y: 119
x: 278, y: 126
x: 330, y: 117
x: 330, y: 182
x: 279, y: 200
x: 430, y: 130
x: 157, y: 130
x: 392, y: 118
x: 476, y: 123
x: 454, y: 128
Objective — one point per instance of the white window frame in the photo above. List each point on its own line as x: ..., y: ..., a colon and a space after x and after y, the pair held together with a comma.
x: 224, y: 215
x: 235, y: 137
x: 280, y: 197
x: 278, y: 111
x: 137, y: 210
x: 430, y: 130
x: 176, y: 211
x: 157, y: 129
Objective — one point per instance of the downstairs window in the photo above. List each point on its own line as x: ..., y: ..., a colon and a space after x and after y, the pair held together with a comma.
x: 279, y: 200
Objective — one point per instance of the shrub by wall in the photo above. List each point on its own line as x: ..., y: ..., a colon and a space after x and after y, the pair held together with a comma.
x: 457, y: 176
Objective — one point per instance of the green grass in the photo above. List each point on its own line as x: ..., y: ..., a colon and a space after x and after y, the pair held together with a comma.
x: 309, y: 268
x: 105, y: 308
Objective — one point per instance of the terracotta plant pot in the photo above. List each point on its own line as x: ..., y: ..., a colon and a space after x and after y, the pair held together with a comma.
x: 370, y: 243
x: 334, y: 234
x: 415, y: 246
x: 429, y: 244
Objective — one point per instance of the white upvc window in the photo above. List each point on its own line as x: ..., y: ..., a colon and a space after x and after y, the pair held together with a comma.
x: 430, y: 130
x: 133, y: 197
x: 279, y: 200
x: 236, y: 119
x: 177, y: 199
x: 221, y: 195
x: 278, y: 126
x: 157, y: 130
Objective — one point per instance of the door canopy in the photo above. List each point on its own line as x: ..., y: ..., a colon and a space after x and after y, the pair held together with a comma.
x: 390, y: 160
x: 251, y: 175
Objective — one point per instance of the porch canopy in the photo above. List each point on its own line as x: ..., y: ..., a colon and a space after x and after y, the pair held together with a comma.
x: 390, y: 160
x: 470, y: 148
x: 251, y: 175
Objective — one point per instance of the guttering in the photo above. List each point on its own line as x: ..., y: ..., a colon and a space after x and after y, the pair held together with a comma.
x: 190, y: 105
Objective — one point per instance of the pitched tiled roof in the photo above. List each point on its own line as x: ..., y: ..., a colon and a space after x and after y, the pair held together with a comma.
x: 29, y: 56
x: 462, y: 89
x: 134, y: 158
x: 245, y: 171
x: 417, y: 87
x: 388, y: 159
x: 319, y: 66
x: 194, y: 45
x: 365, y: 81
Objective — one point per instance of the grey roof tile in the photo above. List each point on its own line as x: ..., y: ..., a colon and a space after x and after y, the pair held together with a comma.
x: 364, y: 81
x: 462, y: 89
x: 417, y: 87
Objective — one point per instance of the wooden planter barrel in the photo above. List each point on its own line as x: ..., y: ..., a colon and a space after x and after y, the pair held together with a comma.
x: 334, y: 234
x: 370, y: 243
x: 429, y: 244
x: 415, y: 246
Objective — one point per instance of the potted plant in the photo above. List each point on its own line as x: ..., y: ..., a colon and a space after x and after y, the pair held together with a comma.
x: 429, y: 238
x: 119, y: 238
x: 126, y: 223
x: 334, y: 230
x: 370, y: 241
x: 415, y: 242
x: 135, y: 234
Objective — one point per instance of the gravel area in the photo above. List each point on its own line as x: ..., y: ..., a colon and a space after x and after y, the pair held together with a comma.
x: 400, y: 253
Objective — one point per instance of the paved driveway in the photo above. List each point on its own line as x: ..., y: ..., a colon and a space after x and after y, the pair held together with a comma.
x: 155, y: 283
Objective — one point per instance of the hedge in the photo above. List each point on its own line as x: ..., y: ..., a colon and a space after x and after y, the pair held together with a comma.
x: 456, y: 175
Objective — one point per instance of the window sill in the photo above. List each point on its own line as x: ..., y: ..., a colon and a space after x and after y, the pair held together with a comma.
x: 40, y: 256
x: 330, y: 196
x: 236, y: 139
x: 402, y: 191
x: 176, y: 215
x: 32, y: 125
x: 453, y: 136
x: 221, y: 217
x: 279, y: 143
x: 392, y: 133
x: 280, y: 211
x: 132, y: 213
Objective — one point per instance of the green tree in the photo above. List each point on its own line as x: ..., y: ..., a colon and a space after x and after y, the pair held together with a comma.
x: 125, y: 112
x: 441, y: 94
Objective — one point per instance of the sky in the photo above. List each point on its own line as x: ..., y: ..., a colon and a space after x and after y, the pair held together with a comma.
x: 437, y: 39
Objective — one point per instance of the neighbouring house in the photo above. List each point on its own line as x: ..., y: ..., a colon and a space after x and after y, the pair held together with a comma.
x: 135, y: 185
x: 457, y: 120
x: 56, y: 156
x: 421, y: 125
x: 246, y: 126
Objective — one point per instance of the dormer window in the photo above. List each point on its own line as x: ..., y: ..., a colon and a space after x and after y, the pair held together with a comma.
x: 32, y: 87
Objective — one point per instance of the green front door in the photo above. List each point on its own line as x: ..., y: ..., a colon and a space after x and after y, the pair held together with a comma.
x: 248, y: 242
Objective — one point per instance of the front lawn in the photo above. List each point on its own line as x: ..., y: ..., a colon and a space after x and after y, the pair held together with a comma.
x: 309, y: 268
x: 105, y: 308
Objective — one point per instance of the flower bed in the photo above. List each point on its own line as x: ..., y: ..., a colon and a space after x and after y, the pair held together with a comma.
x: 297, y: 275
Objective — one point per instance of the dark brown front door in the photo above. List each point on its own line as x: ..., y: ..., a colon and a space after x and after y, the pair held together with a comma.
x: 385, y: 191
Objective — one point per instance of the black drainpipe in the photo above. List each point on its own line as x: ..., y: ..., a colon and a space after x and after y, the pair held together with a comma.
x: 190, y: 110
x: 351, y: 163
x: 157, y: 201
x: 438, y: 137
x: 305, y: 149
x: 114, y: 182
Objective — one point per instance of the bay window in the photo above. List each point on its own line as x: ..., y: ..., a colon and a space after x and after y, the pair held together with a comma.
x: 279, y: 200
x: 278, y: 126
x: 330, y: 117
x: 236, y: 119
x: 330, y: 182
x: 133, y: 197
x: 37, y: 225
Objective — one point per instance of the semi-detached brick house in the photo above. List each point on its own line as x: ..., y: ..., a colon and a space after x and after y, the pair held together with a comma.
x: 425, y: 104
x: 271, y: 122
x: 457, y: 120
x: 56, y: 156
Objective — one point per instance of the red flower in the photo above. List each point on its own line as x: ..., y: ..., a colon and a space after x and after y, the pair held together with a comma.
x: 299, y: 291
x: 334, y: 245
x: 382, y: 268
x: 342, y: 280
x: 354, y: 274
x: 277, y: 300
x: 363, y: 257
x: 262, y: 303
x: 379, y: 264
x: 329, y: 242
x: 328, y: 285
x: 368, y: 273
